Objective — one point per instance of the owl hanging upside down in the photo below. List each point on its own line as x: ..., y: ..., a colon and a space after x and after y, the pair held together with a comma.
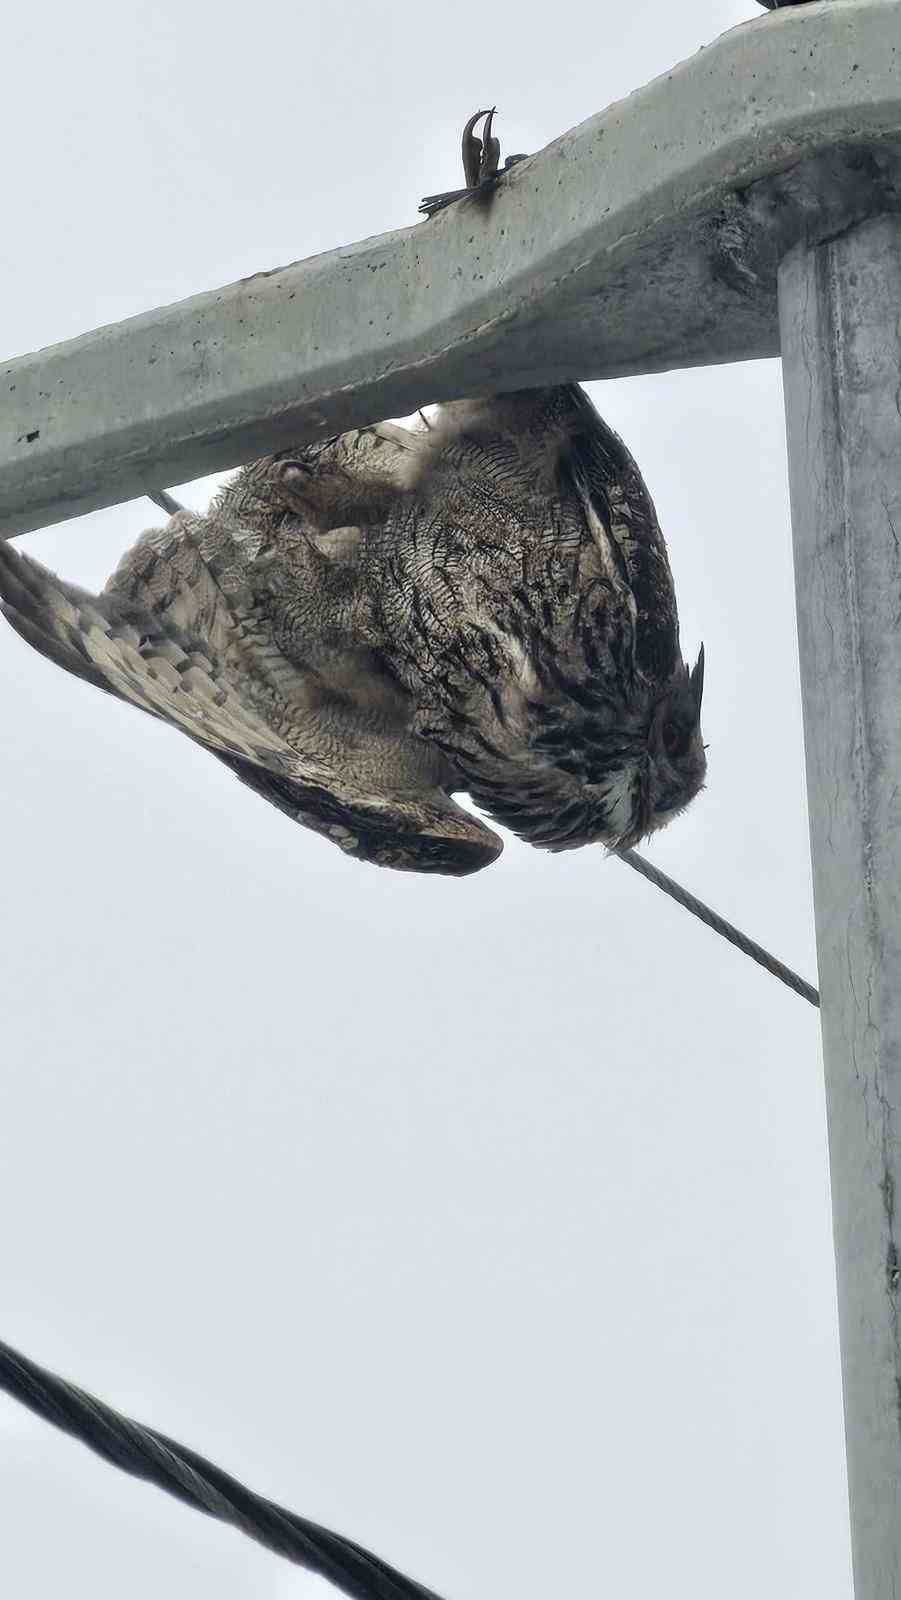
x: 362, y: 628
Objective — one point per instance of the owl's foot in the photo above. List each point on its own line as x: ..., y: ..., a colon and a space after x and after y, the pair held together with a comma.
x: 481, y: 164
x: 349, y: 481
x: 480, y: 156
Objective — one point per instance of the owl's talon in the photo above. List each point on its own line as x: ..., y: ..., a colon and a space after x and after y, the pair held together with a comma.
x: 481, y: 157
x: 472, y: 150
x: 490, y: 149
x: 481, y: 160
x: 481, y: 164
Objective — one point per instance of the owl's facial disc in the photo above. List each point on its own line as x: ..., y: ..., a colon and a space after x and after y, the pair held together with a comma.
x: 676, y: 762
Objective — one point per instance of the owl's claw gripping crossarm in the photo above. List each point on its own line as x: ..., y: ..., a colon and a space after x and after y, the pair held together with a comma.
x: 351, y: 478
x: 481, y: 163
x: 481, y: 157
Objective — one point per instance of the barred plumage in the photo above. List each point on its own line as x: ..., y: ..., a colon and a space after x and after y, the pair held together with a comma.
x: 363, y: 627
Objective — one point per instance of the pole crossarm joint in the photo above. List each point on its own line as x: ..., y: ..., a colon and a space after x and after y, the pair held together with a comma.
x: 647, y: 238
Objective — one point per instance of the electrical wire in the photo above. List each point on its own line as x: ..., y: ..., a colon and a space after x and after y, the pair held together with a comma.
x: 144, y: 1453
x: 725, y: 929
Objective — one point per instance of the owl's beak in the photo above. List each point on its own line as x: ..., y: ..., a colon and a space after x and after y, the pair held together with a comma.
x: 696, y: 681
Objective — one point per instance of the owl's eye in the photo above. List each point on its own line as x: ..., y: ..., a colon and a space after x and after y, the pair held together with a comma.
x: 674, y: 738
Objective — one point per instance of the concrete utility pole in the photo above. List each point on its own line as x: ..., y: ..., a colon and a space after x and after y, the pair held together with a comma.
x: 840, y: 313
x: 749, y: 201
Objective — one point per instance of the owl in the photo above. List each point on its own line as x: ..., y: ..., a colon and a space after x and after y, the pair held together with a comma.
x: 363, y: 628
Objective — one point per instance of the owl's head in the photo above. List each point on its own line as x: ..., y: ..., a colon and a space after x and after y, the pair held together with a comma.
x: 599, y: 770
x: 640, y: 772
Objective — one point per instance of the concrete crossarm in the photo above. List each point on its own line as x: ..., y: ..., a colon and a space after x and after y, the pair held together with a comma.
x: 644, y: 239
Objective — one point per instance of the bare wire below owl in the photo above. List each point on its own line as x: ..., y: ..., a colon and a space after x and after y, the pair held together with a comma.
x: 719, y: 925
x: 705, y: 913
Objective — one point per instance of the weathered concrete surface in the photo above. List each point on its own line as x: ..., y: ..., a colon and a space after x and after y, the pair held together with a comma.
x: 840, y: 306
x: 647, y: 238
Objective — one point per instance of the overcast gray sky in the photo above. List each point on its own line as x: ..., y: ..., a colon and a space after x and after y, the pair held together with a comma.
x: 484, y: 1221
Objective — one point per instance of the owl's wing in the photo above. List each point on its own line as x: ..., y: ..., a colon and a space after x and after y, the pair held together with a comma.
x: 600, y: 467
x: 550, y: 448
x: 190, y: 678
x: 416, y: 832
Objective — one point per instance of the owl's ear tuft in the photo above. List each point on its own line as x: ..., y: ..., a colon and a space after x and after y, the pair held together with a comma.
x: 696, y: 681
